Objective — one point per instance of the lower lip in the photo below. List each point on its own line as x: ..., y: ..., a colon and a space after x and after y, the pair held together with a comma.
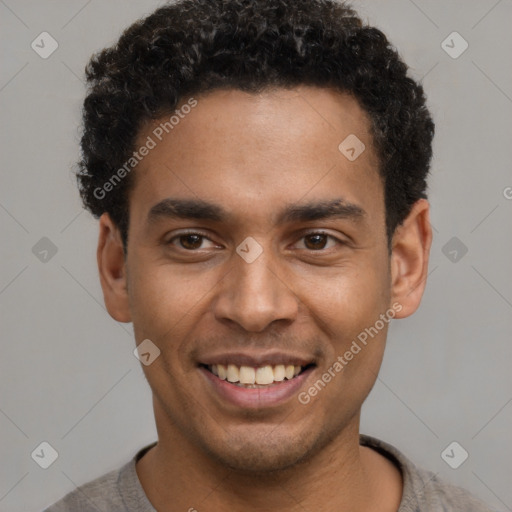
x: 257, y: 398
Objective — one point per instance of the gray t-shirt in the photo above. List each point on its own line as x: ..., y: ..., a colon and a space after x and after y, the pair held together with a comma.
x: 120, y: 490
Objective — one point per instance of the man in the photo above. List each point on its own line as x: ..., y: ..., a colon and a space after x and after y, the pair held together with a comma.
x: 259, y: 171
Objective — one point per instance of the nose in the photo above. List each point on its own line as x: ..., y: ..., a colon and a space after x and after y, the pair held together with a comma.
x: 255, y: 295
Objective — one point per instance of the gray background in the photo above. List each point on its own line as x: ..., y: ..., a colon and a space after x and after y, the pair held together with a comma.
x: 67, y: 372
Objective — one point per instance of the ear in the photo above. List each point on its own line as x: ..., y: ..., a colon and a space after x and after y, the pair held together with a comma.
x: 112, y: 269
x: 409, y: 258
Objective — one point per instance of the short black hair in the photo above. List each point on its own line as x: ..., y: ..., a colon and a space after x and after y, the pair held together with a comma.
x: 194, y: 46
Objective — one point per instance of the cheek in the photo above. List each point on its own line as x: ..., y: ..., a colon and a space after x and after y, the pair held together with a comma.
x: 347, y: 309
x: 164, y: 300
x: 345, y: 300
x: 166, y: 305
x: 346, y: 306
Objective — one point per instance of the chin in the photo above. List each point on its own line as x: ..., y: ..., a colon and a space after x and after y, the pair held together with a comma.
x: 254, y: 461
x: 261, y: 454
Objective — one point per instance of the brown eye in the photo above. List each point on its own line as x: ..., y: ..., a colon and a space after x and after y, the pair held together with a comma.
x: 318, y: 241
x: 191, y: 241
x: 315, y: 241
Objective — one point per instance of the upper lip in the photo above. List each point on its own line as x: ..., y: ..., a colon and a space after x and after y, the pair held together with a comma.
x: 256, y: 360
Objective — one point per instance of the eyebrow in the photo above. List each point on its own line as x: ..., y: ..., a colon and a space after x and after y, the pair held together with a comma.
x: 336, y: 208
x: 186, y: 209
x: 198, y: 209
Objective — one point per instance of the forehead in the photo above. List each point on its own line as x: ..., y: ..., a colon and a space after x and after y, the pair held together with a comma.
x: 250, y: 150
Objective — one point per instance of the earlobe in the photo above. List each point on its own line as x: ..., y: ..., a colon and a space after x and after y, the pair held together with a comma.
x: 112, y: 270
x: 409, y: 258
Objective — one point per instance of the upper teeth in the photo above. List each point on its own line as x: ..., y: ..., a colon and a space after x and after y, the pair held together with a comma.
x: 249, y: 375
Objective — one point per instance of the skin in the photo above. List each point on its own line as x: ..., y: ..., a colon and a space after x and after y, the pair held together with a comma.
x: 254, y: 154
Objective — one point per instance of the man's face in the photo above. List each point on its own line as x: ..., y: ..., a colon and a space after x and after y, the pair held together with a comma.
x: 266, y: 163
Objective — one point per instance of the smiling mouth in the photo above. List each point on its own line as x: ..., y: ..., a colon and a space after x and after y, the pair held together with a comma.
x: 256, y: 377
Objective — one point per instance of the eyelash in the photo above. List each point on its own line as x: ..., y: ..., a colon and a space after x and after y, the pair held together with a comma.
x: 202, y: 236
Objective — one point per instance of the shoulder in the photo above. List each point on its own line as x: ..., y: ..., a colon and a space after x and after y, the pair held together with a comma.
x: 115, y: 491
x: 98, y: 494
x: 423, y: 489
x: 433, y: 493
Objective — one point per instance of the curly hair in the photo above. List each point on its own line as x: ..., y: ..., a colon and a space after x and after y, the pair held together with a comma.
x: 194, y: 46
